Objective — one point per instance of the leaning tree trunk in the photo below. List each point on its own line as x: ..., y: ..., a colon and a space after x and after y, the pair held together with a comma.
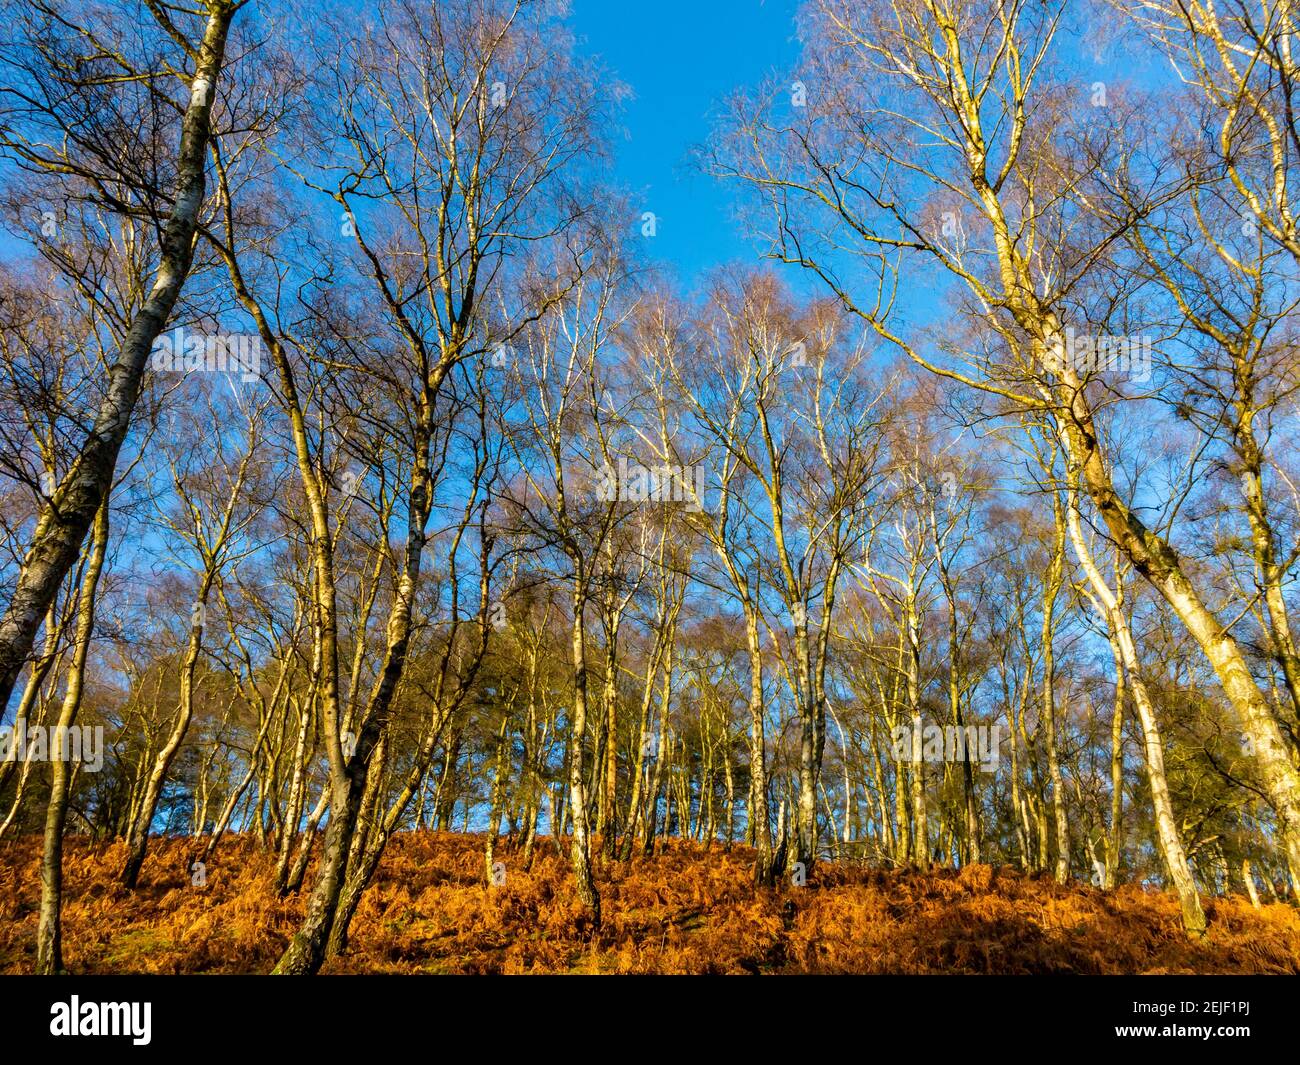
x: 36, y: 678
x: 65, y: 519
x: 1171, y: 845
x: 306, y: 951
x: 1160, y: 564
x: 138, y: 836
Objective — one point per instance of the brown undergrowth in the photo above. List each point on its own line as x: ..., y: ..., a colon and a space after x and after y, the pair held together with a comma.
x: 688, y: 909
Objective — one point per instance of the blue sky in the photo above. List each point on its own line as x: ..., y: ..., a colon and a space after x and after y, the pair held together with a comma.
x: 680, y: 58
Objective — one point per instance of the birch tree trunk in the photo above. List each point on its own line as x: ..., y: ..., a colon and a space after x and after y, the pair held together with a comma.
x: 1171, y: 846
x: 66, y: 517
x: 1051, y: 590
x: 580, y: 846
x: 49, y: 944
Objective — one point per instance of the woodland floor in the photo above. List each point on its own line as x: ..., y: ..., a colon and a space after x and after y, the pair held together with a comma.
x: 685, y: 910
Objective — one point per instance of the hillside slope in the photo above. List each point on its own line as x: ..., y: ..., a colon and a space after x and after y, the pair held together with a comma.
x: 686, y: 910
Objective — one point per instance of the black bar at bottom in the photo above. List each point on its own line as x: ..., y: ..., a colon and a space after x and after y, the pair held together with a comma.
x: 612, y: 1016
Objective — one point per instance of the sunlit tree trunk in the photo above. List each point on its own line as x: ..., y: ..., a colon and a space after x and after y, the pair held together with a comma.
x: 580, y: 845
x: 1051, y: 590
x: 1171, y: 845
x: 49, y: 945
x: 66, y: 517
